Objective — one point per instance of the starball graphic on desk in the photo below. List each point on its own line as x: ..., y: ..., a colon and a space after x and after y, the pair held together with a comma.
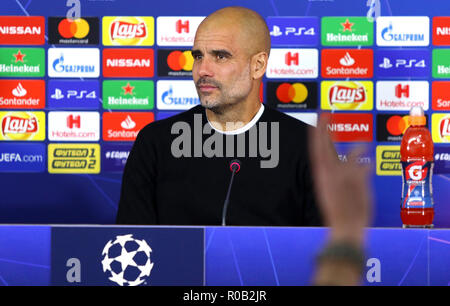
x: 80, y: 79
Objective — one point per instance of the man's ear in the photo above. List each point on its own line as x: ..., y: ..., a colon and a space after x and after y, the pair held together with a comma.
x: 259, y: 65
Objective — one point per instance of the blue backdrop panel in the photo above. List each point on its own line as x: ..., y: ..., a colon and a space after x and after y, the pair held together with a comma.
x: 196, y: 256
x: 50, y: 198
x: 25, y: 255
x: 177, y: 254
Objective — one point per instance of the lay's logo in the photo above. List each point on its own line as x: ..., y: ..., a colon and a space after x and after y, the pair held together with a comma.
x: 347, y: 95
x: 441, y: 128
x: 128, y: 31
x: 444, y: 128
x: 22, y: 126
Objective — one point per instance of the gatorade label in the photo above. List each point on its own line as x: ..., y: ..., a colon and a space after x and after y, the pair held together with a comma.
x: 417, y: 188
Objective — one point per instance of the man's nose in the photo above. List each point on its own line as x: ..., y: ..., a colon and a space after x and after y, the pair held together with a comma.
x: 205, y: 67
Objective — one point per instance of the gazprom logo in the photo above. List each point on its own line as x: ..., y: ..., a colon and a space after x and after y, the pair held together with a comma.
x: 169, y: 99
x: 58, y: 66
x: 403, y: 31
x: 74, y: 62
x: 176, y: 95
x: 388, y: 34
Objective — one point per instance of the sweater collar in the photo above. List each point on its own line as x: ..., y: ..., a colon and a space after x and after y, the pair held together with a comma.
x: 243, y: 129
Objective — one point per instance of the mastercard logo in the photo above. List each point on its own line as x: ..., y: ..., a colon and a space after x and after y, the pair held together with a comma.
x: 397, y: 125
x: 73, y: 28
x: 178, y: 60
x: 296, y: 92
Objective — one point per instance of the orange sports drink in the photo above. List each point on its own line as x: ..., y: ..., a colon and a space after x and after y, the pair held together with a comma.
x: 417, y: 151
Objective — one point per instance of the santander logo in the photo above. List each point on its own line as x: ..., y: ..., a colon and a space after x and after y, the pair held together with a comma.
x: 347, y: 60
x: 128, y: 123
x: 19, y: 91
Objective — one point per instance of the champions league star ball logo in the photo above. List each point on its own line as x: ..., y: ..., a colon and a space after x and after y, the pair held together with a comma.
x: 127, y: 260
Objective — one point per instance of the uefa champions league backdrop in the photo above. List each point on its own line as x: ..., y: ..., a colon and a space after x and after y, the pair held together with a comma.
x: 74, y: 94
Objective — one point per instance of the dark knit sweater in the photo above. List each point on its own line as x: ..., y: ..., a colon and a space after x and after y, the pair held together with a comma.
x: 158, y: 188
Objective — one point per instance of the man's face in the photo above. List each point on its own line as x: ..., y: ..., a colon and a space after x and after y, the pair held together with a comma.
x: 221, y: 69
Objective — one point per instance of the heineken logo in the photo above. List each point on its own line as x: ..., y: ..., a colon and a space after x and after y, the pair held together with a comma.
x: 129, y: 94
x: 441, y: 63
x: 347, y: 31
x: 23, y: 62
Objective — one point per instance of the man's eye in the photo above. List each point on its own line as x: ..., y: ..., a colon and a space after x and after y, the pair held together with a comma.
x: 221, y: 56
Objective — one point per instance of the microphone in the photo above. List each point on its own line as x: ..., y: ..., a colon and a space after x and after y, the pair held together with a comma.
x: 235, y: 166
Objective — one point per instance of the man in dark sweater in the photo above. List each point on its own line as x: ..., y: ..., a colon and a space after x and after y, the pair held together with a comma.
x: 178, y: 170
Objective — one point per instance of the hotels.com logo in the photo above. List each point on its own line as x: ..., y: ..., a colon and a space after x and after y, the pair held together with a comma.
x: 395, y: 95
x: 291, y: 59
x: 73, y: 121
x: 293, y: 63
x: 73, y: 126
x: 177, y: 31
x: 182, y: 26
x: 20, y: 30
x: 402, y: 91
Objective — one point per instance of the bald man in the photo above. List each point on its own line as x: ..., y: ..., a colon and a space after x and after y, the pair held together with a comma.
x: 181, y: 169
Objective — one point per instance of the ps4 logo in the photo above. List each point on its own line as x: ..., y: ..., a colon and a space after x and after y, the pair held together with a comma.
x: 294, y: 31
x: 403, y: 63
x: 74, y: 94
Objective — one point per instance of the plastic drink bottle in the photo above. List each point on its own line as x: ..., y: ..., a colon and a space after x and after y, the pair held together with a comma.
x: 416, y: 151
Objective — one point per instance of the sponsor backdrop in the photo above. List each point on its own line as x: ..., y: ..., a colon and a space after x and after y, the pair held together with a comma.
x: 75, y: 93
x: 216, y: 256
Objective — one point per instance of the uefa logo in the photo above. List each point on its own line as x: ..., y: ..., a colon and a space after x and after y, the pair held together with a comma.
x: 127, y: 260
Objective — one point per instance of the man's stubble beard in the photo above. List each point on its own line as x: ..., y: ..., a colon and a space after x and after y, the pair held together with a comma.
x: 226, y: 99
